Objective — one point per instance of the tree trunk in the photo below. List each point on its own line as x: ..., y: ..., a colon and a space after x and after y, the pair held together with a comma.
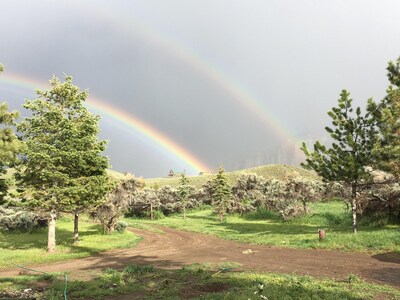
x: 305, y: 208
x: 151, y: 211
x: 354, y: 206
x: 51, y: 238
x: 184, y: 212
x: 76, y: 224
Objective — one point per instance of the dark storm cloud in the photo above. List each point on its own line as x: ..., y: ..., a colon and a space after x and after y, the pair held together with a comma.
x: 293, y: 57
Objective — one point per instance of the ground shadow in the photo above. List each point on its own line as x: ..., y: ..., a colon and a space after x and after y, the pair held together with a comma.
x: 392, y: 257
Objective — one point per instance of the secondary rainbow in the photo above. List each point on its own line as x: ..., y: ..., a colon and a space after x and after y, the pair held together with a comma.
x: 129, y: 120
x: 199, y: 63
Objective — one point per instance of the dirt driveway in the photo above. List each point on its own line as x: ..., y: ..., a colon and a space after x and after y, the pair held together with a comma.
x: 175, y: 248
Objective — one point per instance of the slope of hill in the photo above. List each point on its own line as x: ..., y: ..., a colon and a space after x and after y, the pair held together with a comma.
x: 115, y: 174
x: 269, y: 171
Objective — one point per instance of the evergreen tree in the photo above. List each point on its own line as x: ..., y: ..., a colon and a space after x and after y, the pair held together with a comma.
x: 387, y: 113
x: 184, y: 191
x: 10, y: 146
x: 221, y: 193
x: 347, y: 159
x: 63, y: 163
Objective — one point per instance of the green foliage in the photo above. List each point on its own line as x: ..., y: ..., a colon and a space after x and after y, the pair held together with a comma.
x: 121, y: 226
x: 354, y: 136
x: 135, y: 269
x: 10, y: 145
x: 387, y: 113
x: 221, y: 193
x: 347, y: 160
x: 184, y: 191
x: 63, y: 161
x: 62, y: 167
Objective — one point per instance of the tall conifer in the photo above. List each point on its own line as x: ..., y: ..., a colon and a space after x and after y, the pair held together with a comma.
x: 63, y: 163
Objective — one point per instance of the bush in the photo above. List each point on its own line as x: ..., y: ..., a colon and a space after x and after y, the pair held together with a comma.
x: 157, y: 215
x: 120, y: 226
x: 13, y: 219
x: 263, y: 214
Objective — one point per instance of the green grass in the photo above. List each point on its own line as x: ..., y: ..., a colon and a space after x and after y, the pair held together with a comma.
x: 268, y: 171
x: 115, y: 174
x: 269, y: 229
x: 200, y: 282
x: 30, y: 248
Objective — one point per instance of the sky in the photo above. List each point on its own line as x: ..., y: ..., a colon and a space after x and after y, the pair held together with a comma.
x: 186, y: 85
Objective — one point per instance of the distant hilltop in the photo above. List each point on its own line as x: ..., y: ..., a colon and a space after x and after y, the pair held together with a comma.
x: 275, y: 171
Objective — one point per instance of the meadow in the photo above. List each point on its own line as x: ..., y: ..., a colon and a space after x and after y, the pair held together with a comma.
x: 31, y: 247
x: 268, y: 228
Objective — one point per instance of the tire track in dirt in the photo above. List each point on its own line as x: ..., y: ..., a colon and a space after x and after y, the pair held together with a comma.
x: 175, y: 248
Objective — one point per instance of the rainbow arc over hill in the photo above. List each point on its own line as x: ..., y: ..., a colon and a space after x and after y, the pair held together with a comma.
x: 167, y: 145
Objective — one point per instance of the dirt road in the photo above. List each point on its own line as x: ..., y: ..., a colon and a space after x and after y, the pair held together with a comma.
x: 175, y: 248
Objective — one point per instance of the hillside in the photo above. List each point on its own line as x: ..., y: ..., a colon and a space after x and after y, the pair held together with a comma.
x: 269, y: 171
x: 115, y: 174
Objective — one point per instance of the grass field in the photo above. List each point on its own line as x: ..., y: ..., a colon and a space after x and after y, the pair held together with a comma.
x: 269, y: 229
x: 199, y: 282
x: 268, y: 171
x: 30, y: 248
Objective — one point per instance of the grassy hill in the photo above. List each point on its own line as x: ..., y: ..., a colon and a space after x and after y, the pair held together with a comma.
x: 115, y: 174
x: 268, y: 171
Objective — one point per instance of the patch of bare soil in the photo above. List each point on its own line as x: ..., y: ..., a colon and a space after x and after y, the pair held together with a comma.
x: 175, y: 248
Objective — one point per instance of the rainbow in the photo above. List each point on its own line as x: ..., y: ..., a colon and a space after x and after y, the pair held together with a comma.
x: 129, y: 120
x: 199, y: 63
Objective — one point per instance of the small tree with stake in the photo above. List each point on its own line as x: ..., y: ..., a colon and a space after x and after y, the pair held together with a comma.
x: 354, y: 135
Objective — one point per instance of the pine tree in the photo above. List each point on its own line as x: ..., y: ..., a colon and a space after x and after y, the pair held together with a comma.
x: 184, y: 191
x: 10, y: 146
x: 221, y: 193
x: 387, y: 113
x: 348, y: 158
x: 63, y: 162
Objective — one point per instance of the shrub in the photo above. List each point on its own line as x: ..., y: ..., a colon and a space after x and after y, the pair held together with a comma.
x: 14, y: 219
x: 120, y: 226
x: 117, y: 203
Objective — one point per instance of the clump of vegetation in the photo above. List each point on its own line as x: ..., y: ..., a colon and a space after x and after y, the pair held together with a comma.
x: 118, y: 202
x: 221, y: 194
x: 21, y: 220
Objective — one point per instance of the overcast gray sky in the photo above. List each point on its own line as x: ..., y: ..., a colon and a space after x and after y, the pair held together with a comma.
x: 232, y: 82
